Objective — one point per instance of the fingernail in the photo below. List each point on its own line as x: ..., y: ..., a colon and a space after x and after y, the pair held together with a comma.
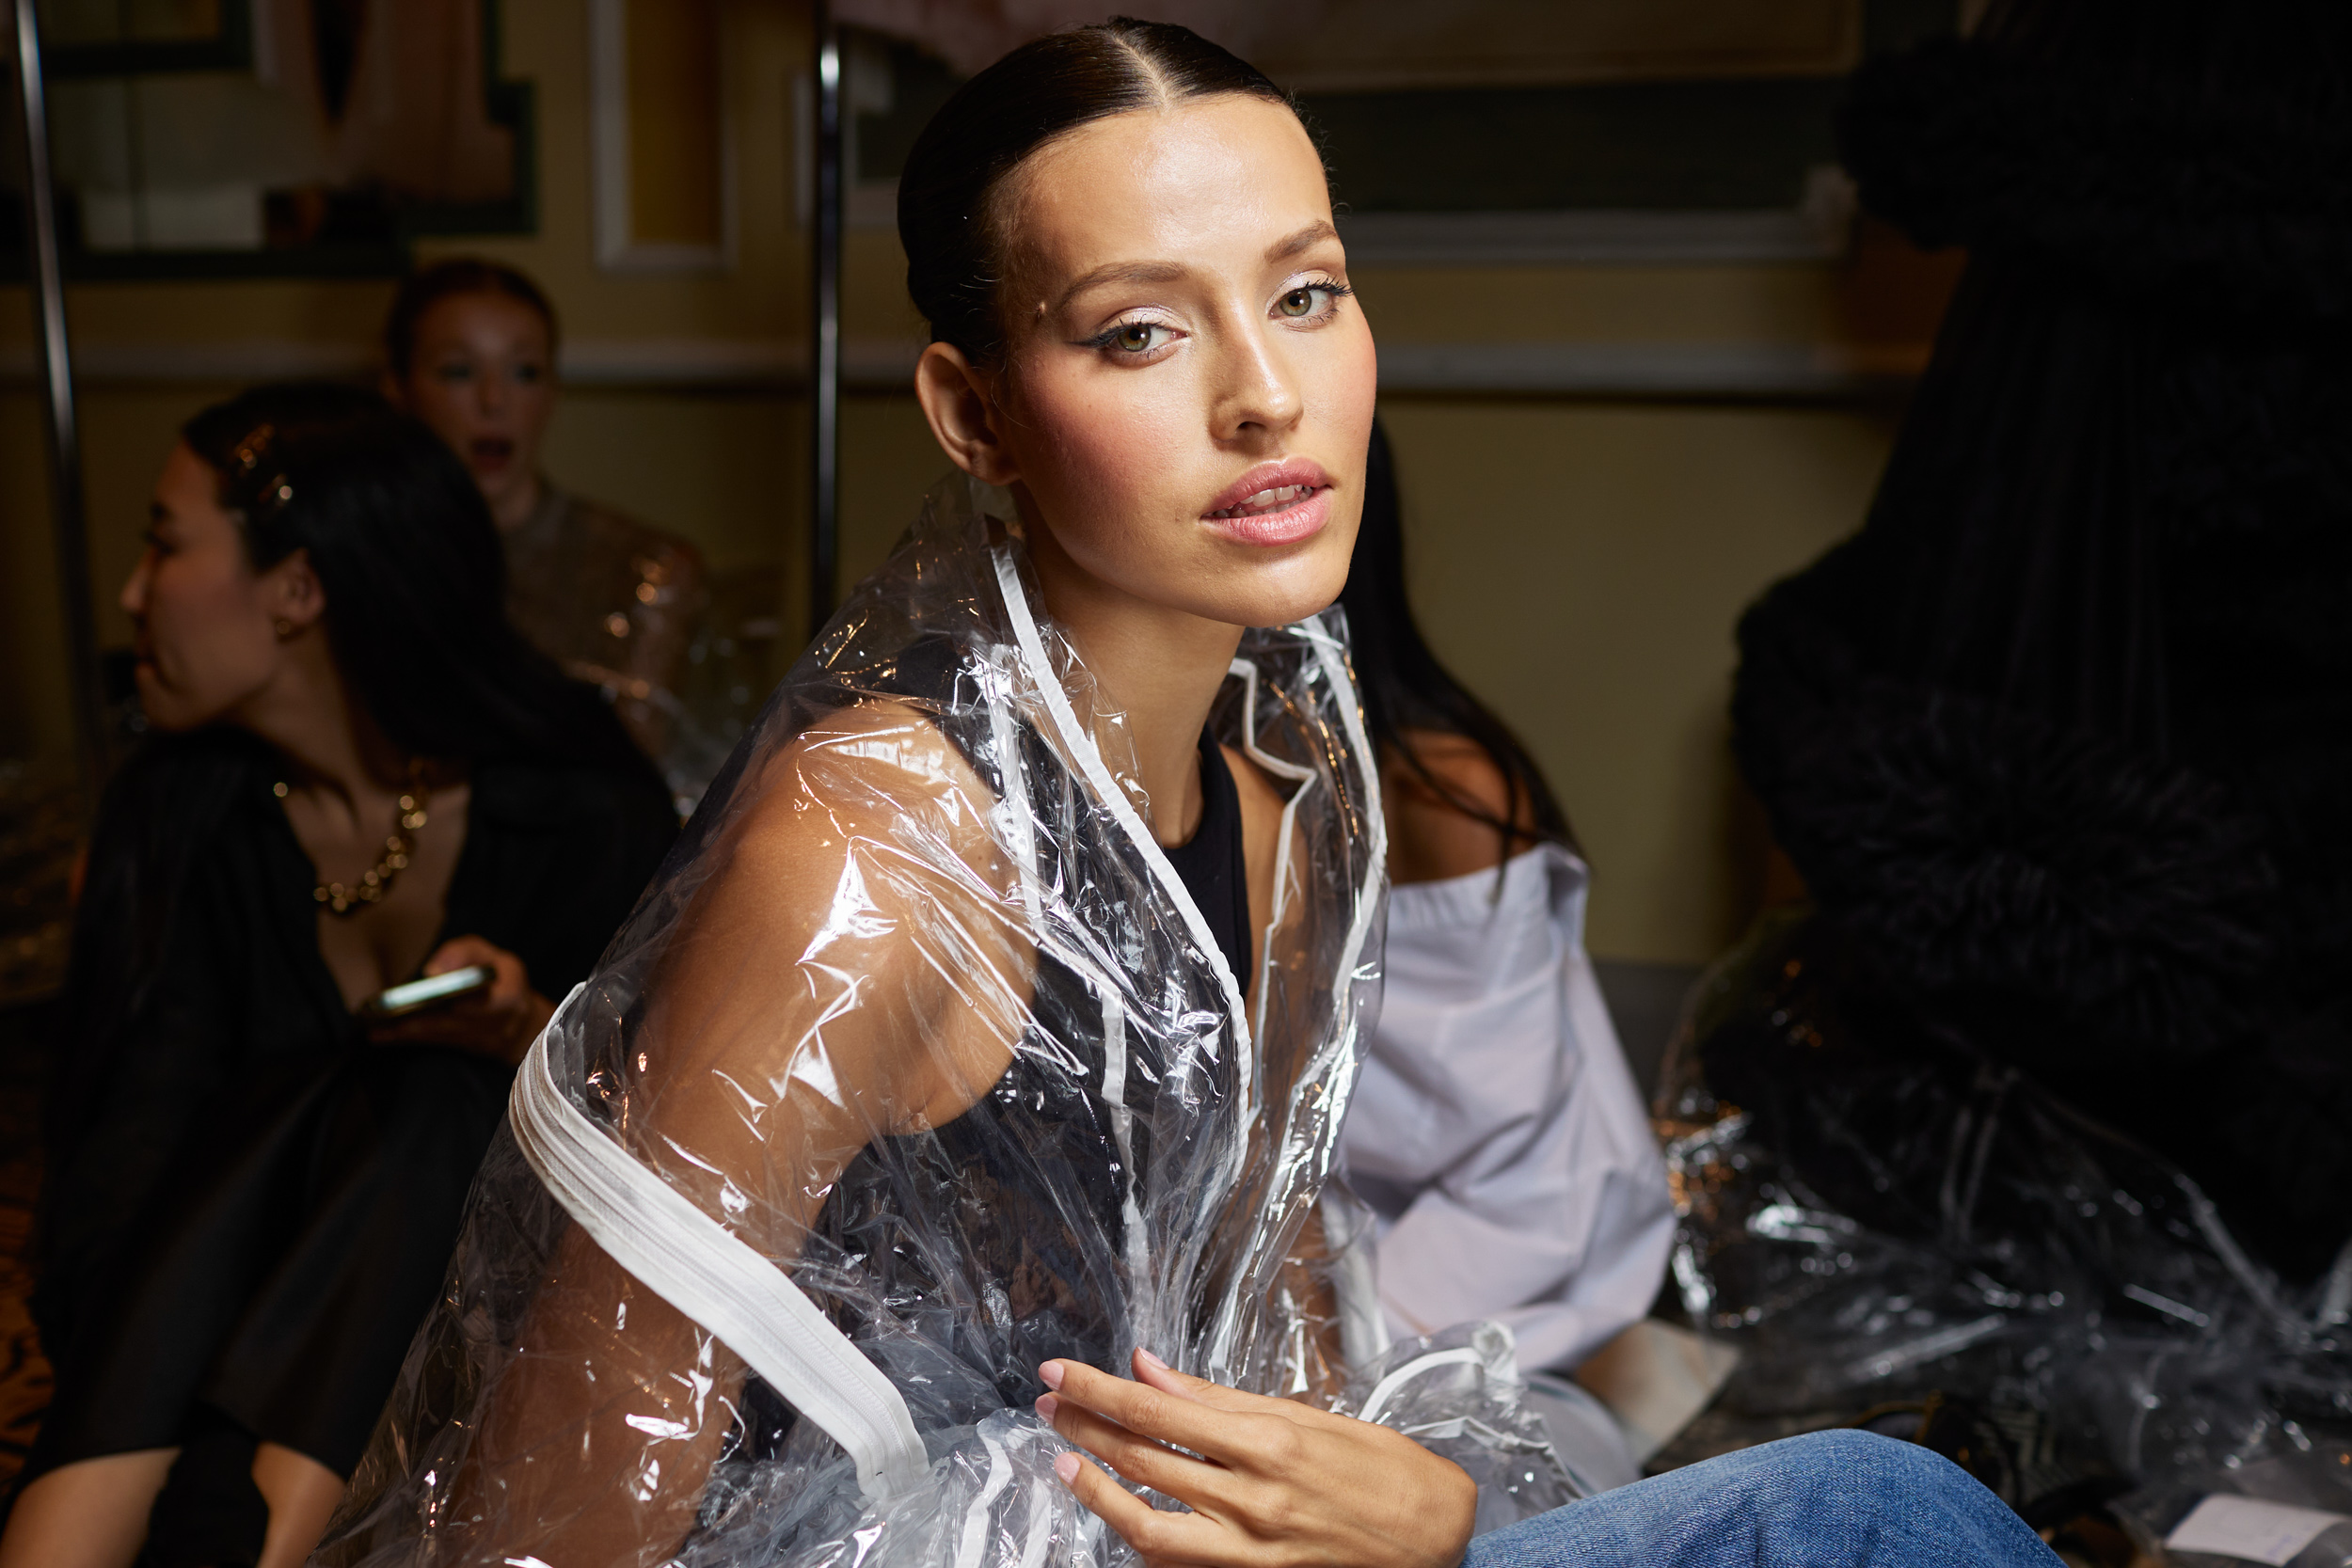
x: 1066, y: 1466
x: 1149, y: 1359
x: 1046, y: 1405
x: 1050, y: 1372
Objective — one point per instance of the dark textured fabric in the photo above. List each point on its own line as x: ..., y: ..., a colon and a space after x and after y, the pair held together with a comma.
x: 209, y: 1513
x: 2061, y: 740
x: 2177, y: 149
x: 252, y: 1206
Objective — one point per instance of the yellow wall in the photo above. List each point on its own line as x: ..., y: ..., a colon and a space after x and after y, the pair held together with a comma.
x: 1579, y: 563
x: 1580, y: 568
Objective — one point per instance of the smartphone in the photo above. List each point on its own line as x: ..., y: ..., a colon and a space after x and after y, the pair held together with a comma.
x: 433, y: 990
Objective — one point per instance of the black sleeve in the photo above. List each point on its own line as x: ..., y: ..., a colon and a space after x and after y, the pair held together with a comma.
x: 563, y: 873
x: 137, y: 1053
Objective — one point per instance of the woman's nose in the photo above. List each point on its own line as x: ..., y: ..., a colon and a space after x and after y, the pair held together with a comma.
x: 1261, y: 394
x: 133, y: 596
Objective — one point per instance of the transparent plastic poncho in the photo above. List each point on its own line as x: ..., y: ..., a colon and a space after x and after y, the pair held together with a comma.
x: 918, y: 1066
x: 1877, y: 1228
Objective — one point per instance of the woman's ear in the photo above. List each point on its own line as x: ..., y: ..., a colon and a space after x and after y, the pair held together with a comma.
x: 960, y: 402
x: 293, y: 594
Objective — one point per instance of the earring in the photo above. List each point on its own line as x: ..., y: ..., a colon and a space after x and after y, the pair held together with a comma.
x: 285, y: 629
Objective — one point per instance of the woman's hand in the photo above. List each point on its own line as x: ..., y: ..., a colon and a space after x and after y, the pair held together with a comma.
x: 501, y: 1021
x: 1278, y: 1485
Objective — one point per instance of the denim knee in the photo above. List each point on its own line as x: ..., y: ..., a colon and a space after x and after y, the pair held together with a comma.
x: 1831, y: 1499
x: 1884, y: 1490
x: 1847, y: 1456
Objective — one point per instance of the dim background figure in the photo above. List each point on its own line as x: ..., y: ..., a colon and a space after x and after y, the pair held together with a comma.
x: 469, y: 348
x: 253, y: 1185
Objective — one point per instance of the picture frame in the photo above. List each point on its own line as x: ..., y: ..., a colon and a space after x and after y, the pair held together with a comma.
x: 662, y: 143
x: 109, y: 97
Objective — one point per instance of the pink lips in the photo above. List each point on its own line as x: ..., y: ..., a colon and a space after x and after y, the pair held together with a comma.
x: 1274, y: 503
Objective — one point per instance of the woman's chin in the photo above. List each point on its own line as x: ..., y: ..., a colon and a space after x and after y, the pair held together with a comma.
x: 168, y: 719
x: 1277, y: 600
x: 1292, y: 589
x: 167, y: 710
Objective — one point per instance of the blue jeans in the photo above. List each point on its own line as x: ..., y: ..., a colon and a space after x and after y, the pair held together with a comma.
x: 1831, y: 1499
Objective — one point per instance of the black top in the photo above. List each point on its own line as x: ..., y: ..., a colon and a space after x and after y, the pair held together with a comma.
x: 1210, y: 863
x: 1004, y: 1169
x: 249, y: 1205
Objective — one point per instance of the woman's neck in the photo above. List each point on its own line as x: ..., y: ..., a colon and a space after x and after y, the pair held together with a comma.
x: 1160, y: 666
x: 520, y: 504
x: 329, y: 745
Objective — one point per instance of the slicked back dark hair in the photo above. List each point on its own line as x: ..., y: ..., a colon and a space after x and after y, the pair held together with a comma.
x: 948, y: 196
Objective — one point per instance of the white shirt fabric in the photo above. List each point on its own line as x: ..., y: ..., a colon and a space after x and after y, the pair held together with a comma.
x: 1496, y: 1131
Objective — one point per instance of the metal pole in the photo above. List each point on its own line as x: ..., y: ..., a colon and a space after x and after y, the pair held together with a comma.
x: 824, y: 519
x: 56, y: 374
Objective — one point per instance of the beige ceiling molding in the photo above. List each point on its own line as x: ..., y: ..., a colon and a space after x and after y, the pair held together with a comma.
x: 1818, y: 229
x: 1639, y: 369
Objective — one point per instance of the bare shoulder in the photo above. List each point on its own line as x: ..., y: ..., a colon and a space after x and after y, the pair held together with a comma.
x: 858, y: 885
x: 865, y: 766
x: 870, y: 790
x: 1431, y: 838
x: 1460, y: 765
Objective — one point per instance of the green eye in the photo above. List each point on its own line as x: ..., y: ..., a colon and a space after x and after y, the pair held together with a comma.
x: 1132, y: 339
x: 454, y: 372
x: 1298, y: 302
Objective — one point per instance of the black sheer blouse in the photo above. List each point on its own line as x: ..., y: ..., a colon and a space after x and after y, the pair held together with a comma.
x: 249, y: 1205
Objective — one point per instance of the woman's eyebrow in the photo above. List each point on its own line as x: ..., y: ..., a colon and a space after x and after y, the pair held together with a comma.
x: 1168, y: 271
x: 1121, y: 272
x: 1314, y: 233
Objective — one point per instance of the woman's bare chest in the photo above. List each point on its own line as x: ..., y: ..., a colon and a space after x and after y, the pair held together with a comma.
x: 377, y: 942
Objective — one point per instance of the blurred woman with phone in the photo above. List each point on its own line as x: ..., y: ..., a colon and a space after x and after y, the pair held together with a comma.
x: 259, y: 1147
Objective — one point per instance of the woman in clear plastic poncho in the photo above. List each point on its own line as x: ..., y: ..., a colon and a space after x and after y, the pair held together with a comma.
x: 1007, y: 988
x: 997, y: 1013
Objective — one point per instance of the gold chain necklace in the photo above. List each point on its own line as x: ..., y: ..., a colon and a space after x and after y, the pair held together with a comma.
x: 377, y: 879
